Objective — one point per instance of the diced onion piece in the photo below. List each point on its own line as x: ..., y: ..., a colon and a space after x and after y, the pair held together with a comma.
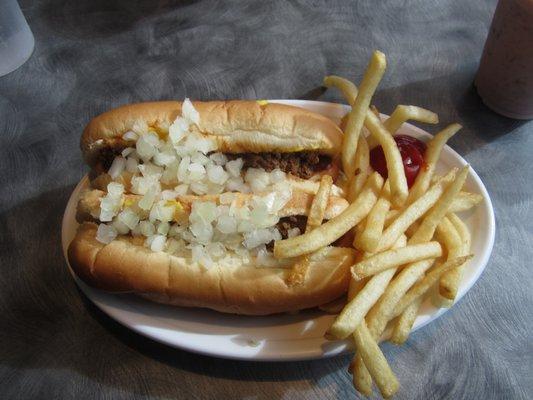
x: 115, y: 189
x: 199, y: 158
x: 147, y: 200
x: 147, y: 145
x: 257, y: 237
x: 227, y: 224
x: 127, y: 151
x: 131, y: 165
x: 219, y: 158
x: 106, y: 233
x: 277, y: 175
x: 199, y: 188
x: 158, y: 243
x: 146, y: 228
x: 178, y: 129
x: 234, y: 167
x: 120, y: 226
x: 257, y: 178
x: 129, y: 218
x: 169, y: 194
x: 189, y: 112
x: 216, y: 174
x: 117, y: 167
x: 163, y: 228
x: 130, y: 135
x: 181, y: 190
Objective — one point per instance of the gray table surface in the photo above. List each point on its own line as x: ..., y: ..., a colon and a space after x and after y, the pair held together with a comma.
x: 93, y: 55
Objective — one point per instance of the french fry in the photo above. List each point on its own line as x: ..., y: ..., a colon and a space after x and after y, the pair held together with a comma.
x: 355, y: 311
x: 368, y: 240
x: 431, y: 157
x: 398, y: 181
x: 360, y: 115
x: 396, y: 257
x: 404, y: 323
x: 314, y: 219
x: 336, y: 227
x: 404, y: 113
x: 361, y: 377
x: 375, y: 361
x: 421, y: 287
x: 430, y: 222
x: 319, y: 204
x: 347, y: 87
x: 390, y: 217
x: 414, y: 211
x: 382, y: 312
x: 449, y: 283
x: 447, y: 235
x: 465, y: 201
x: 361, y: 301
x: 356, y: 118
x: 361, y: 170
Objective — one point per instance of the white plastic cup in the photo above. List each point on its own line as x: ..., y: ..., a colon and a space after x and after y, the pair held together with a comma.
x: 16, y: 39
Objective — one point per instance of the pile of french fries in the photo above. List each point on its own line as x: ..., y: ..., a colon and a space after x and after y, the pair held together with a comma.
x: 410, y: 242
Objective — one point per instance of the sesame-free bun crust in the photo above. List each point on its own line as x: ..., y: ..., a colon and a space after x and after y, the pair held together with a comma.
x: 125, y: 265
x: 238, y: 126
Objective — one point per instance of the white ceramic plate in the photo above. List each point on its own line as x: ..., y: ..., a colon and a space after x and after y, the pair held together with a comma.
x: 278, y: 337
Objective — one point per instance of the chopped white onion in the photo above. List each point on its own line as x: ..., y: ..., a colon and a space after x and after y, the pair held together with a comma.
x: 169, y: 194
x: 189, y: 162
x: 163, y: 228
x: 106, y: 233
x: 131, y: 165
x: 130, y: 135
x: 189, y: 112
x: 127, y: 151
x: 257, y: 237
x: 234, y: 167
x: 146, y: 228
x: 227, y: 224
x: 129, y: 218
x: 147, y: 145
x: 147, y: 200
x: 219, y: 158
x: 181, y: 190
x: 178, y: 130
x: 117, y: 167
x: 121, y: 227
x: 217, y: 175
x: 158, y: 243
x: 257, y: 178
x: 115, y: 189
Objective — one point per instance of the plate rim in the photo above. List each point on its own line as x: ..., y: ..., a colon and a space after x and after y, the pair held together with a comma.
x: 317, y: 353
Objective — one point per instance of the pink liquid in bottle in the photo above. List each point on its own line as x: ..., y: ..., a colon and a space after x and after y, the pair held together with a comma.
x: 505, y: 76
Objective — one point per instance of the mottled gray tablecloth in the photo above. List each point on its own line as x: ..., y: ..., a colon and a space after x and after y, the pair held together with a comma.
x: 91, y: 55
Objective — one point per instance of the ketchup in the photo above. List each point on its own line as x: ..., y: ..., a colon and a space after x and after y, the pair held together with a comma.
x: 412, y: 151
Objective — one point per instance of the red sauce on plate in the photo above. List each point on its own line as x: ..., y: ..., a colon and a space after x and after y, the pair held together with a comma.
x: 412, y: 151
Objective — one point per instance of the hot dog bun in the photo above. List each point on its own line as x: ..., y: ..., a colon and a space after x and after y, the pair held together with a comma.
x: 237, y: 126
x: 238, y: 285
x: 123, y: 266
